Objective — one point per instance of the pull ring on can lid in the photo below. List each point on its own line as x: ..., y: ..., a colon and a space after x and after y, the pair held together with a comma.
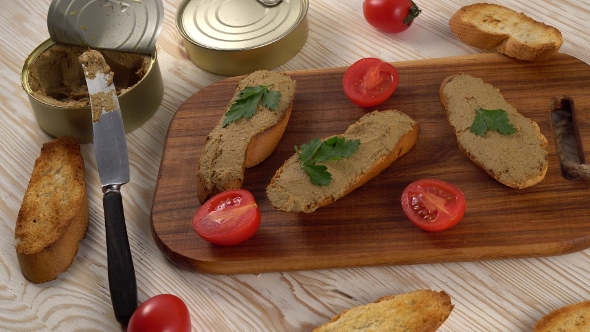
x: 270, y: 3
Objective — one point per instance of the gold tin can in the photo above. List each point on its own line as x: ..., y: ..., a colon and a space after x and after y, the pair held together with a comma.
x: 236, y: 37
x: 138, y: 102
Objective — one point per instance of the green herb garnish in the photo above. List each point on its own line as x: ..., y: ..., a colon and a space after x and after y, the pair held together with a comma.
x: 316, y: 151
x: 491, y: 119
x: 247, y: 102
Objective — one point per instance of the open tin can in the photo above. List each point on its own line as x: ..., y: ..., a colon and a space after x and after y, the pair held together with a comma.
x: 53, y: 78
x: 58, y: 114
x: 236, y: 37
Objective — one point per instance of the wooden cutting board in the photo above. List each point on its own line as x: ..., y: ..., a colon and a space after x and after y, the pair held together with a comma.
x: 368, y: 227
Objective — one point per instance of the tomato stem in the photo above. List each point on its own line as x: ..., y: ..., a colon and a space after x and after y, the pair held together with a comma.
x: 412, y: 14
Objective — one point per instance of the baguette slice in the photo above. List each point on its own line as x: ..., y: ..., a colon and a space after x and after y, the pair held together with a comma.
x: 495, y: 27
x: 571, y: 318
x: 517, y: 160
x: 418, y: 311
x: 53, y: 216
x: 245, y: 142
x: 384, y: 136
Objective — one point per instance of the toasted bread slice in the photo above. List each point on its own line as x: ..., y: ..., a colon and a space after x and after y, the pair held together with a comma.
x: 384, y: 137
x: 495, y: 27
x: 571, y: 318
x: 418, y: 311
x: 245, y: 142
x: 53, y: 216
x: 518, y: 160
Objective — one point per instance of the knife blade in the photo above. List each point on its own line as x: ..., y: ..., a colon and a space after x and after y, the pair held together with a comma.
x: 110, y: 147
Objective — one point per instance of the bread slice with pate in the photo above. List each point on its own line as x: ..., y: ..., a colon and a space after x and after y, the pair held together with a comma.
x: 517, y: 160
x: 384, y: 137
x: 495, y: 27
x: 245, y: 142
x: 417, y: 311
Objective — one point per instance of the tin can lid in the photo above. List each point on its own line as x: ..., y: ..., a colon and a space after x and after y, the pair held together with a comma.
x: 238, y: 25
x: 122, y: 25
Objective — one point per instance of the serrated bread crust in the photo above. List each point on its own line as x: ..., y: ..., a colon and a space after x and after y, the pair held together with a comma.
x: 417, y: 311
x: 571, y: 318
x: 495, y: 27
x: 384, y: 135
x: 245, y: 142
x: 53, y: 216
x: 517, y: 160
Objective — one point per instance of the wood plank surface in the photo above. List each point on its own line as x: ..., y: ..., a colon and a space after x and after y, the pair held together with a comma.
x: 368, y: 227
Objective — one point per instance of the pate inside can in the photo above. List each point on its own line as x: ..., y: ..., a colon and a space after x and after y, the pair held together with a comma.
x: 236, y: 37
x: 54, y: 81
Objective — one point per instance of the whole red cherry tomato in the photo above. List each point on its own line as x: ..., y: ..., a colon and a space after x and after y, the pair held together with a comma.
x: 164, y: 312
x: 370, y: 81
x: 433, y: 205
x: 228, y: 218
x: 390, y: 15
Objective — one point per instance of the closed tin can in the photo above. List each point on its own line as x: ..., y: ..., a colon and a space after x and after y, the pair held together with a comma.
x: 57, y: 97
x: 236, y: 37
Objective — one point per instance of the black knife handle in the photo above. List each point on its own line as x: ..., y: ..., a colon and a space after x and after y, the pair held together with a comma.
x: 122, y: 283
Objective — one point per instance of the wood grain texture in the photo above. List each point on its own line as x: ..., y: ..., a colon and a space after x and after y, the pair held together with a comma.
x: 368, y: 227
x: 495, y: 295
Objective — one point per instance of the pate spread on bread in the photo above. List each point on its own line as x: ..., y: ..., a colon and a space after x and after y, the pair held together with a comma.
x: 417, y: 311
x: 384, y: 136
x: 53, y: 216
x: 495, y: 27
x: 517, y: 160
x: 245, y: 142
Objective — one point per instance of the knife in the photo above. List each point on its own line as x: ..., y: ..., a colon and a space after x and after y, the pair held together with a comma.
x: 110, y: 148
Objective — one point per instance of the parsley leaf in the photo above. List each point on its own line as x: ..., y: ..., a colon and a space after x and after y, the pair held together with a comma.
x: 491, y: 119
x: 318, y: 174
x: 316, y: 151
x: 309, y: 149
x: 246, y: 104
x: 336, y: 148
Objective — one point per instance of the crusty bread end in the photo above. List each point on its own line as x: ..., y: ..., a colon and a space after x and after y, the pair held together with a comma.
x: 417, y: 311
x: 53, y: 216
x: 571, y: 318
x: 495, y: 27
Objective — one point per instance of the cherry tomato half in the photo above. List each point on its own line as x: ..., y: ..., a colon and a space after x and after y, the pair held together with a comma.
x: 164, y: 312
x: 390, y: 15
x: 228, y: 218
x: 370, y: 81
x: 433, y: 205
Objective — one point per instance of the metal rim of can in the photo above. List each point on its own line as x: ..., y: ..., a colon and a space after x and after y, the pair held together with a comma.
x: 138, y: 104
x: 262, y: 44
x: 91, y: 23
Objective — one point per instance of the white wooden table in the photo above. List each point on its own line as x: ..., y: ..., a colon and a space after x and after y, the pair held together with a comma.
x: 507, y: 295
